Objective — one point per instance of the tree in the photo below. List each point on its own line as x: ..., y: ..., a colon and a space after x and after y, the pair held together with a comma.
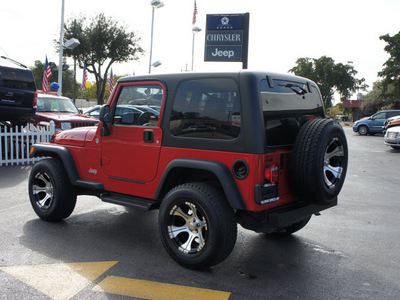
x: 330, y: 77
x: 391, y: 71
x: 378, y: 98
x: 68, y: 78
x: 102, y: 43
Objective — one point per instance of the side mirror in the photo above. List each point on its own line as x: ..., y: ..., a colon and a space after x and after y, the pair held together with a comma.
x: 105, y: 119
x: 105, y: 114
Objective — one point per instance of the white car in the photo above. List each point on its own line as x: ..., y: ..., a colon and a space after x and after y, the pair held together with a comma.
x: 392, y: 137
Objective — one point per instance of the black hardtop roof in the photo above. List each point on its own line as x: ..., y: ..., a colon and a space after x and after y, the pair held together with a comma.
x: 171, y: 78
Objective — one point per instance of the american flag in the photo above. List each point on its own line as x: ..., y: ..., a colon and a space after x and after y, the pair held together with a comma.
x: 85, y: 76
x: 46, y: 76
x: 195, y: 12
x: 111, y: 83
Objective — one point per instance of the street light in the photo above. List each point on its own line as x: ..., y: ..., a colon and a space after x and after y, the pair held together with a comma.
x: 72, y: 44
x: 195, y: 30
x: 155, y: 4
x: 156, y: 64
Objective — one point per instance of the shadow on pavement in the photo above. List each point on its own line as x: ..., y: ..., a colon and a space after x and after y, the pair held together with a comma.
x: 13, y: 175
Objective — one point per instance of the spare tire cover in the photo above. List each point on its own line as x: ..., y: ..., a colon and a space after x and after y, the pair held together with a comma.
x: 319, y: 161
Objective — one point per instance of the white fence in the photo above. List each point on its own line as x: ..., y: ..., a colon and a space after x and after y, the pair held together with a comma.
x: 15, y: 142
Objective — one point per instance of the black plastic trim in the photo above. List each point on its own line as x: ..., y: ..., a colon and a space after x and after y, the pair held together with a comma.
x: 68, y: 162
x: 220, y: 170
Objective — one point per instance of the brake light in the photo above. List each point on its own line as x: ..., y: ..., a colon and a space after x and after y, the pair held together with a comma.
x: 35, y: 97
x: 272, y: 174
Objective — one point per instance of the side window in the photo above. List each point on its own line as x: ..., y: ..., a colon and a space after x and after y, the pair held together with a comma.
x: 393, y: 114
x: 379, y: 116
x: 206, y: 108
x: 138, y: 105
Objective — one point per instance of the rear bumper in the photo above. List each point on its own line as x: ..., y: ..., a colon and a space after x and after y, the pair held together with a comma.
x: 288, y: 214
x: 281, y: 217
x: 14, y: 114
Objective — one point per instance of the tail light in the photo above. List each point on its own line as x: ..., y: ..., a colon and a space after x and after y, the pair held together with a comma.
x: 272, y: 174
x: 35, y: 99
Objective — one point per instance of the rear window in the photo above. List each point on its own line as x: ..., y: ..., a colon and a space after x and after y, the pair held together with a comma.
x: 282, y: 95
x: 17, y: 79
x: 284, y: 104
x: 208, y: 109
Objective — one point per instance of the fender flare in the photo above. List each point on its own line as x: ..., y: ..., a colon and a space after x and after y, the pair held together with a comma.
x: 42, y: 150
x: 220, y: 170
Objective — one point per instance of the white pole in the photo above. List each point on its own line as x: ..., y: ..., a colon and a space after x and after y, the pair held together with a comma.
x: 151, y: 39
x: 193, y: 49
x: 60, y: 62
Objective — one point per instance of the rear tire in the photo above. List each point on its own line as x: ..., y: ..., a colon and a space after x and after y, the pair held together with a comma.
x: 52, y: 195
x: 197, y: 226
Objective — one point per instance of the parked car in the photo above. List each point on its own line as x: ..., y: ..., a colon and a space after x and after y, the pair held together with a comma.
x: 392, y: 137
x: 18, y: 94
x: 62, y: 111
x: 391, y: 122
x: 94, y: 111
x: 375, y: 123
x: 253, y: 148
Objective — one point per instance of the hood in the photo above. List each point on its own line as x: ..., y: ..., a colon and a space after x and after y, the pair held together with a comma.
x: 65, y: 117
x: 75, y: 137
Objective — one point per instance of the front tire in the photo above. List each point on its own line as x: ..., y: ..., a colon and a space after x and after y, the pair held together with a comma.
x: 52, y: 196
x: 197, y: 226
x: 363, y: 130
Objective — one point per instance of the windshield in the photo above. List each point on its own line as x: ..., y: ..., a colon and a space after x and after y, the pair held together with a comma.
x: 62, y: 105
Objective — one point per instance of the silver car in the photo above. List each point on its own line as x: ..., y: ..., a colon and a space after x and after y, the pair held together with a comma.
x: 392, y: 137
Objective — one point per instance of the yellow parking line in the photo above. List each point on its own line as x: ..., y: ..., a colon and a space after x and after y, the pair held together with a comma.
x: 59, y: 281
x: 155, y: 290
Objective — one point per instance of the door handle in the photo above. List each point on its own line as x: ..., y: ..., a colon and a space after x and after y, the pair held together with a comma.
x: 148, y: 136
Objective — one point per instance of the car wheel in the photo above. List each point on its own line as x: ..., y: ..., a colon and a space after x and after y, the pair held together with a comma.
x: 285, y: 231
x: 52, y: 196
x: 363, y: 130
x: 319, y: 160
x: 197, y: 226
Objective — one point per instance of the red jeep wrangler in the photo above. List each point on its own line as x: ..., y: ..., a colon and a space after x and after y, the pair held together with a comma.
x: 252, y: 148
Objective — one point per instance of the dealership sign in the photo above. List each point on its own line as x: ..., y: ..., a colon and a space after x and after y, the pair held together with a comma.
x: 227, y: 38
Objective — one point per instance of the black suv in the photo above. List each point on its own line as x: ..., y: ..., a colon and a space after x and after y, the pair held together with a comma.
x: 18, y: 95
x: 252, y: 148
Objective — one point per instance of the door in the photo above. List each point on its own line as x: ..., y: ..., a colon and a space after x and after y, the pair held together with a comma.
x: 377, y: 122
x: 131, y: 152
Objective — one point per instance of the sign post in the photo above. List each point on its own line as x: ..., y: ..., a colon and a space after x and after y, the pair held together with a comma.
x: 227, y: 38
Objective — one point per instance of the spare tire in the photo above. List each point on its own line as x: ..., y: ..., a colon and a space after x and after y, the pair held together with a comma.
x: 319, y: 161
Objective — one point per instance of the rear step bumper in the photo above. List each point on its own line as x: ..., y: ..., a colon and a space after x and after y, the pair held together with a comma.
x: 288, y: 214
x: 281, y: 217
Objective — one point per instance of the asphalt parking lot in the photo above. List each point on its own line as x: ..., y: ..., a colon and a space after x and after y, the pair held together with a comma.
x: 109, y: 252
